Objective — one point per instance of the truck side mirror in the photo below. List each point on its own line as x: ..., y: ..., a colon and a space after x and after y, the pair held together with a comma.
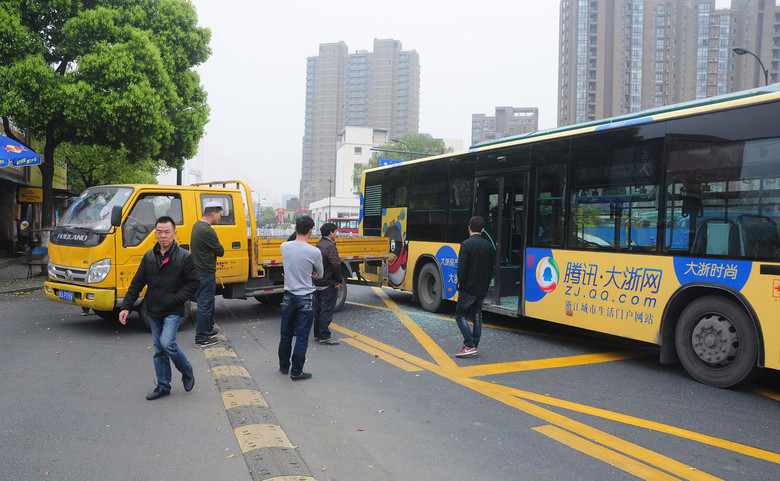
x: 116, y: 216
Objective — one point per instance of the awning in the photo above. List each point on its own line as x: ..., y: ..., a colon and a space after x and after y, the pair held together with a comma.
x: 16, y: 154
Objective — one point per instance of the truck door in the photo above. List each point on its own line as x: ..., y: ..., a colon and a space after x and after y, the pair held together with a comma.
x: 232, y: 233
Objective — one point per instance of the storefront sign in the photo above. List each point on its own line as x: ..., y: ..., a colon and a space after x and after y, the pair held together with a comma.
x: 33, y: 195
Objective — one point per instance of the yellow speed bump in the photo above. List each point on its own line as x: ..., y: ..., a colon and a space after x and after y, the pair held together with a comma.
x: 229, y: 371
x: 243, y: 397
x: 256, y: 436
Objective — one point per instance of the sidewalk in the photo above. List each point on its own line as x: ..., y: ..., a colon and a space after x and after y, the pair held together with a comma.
x: 13, y: 276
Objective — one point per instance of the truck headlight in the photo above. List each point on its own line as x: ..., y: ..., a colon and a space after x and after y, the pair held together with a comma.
x: 98, y: 271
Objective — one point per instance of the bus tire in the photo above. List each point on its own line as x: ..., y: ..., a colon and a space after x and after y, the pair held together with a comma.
x: 189, y: 315
x: 429, y: 287
x: 112, y: 315
x: 716, y: 342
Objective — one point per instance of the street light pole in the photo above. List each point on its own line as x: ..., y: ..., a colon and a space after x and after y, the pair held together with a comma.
x: 399, y: 141
x: 743, y: 51
x: 330, y: 194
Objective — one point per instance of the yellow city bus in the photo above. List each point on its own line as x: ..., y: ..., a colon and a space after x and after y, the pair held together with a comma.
x: 659, y: 226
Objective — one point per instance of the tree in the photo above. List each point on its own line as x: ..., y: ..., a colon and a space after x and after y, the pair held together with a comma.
x: 90, y: 165
x: 267, y: 216
x: 111, y: 73
x: 410, y: 147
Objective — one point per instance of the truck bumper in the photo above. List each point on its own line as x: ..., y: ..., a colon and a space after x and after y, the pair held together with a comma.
x: 84, y: 296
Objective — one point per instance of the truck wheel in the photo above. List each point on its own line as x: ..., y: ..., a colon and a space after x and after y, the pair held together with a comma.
x: 270, y: 299
x: 188, y: 316
x: 716, y: 342
x: 341, y: 297
x: 108, y: 315
x: 429, y: 287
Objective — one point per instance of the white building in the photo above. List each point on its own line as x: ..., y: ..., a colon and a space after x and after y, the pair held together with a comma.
x: 322, y: 209
x: 353, y: 146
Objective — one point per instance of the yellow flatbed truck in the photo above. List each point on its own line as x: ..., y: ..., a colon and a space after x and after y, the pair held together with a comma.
x: 98, y: 244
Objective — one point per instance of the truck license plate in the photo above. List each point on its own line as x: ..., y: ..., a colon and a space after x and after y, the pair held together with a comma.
x: 66, y: 295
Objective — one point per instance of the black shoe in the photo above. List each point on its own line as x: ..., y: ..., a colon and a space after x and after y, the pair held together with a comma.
x: 214, y: 331
x: 301, y: 376
x: 284, y: 371
x: 156, y: 394
x: 329, y: 342
x: 188, y: 379
x: 209, y: 341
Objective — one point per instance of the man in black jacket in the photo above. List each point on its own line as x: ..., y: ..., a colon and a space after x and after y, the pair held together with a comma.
x: 476, y: 264
x: 171, y: 279
x: 328, y: 286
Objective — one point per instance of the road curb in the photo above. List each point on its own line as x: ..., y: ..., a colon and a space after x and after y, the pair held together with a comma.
x: 268, y: 452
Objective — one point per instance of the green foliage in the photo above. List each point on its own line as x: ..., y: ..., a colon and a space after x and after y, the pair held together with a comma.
x: 111, y: 73
x: 267, y: 216
x: 410, y: 147
x: 90, y: 165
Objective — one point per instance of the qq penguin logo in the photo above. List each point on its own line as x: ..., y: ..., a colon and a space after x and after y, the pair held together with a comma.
x: 547, y: 274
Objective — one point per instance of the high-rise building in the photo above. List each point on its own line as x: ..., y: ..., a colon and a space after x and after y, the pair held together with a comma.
x: 379, y: 89
x: 623, y: 56
x: 507, y: 122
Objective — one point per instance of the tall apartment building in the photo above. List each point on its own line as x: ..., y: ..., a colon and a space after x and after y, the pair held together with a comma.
x: 507, y: 122
x: 379, y: 89
x: 622, y: 56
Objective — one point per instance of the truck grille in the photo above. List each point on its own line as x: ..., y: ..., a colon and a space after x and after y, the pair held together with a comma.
x: 70, y: 274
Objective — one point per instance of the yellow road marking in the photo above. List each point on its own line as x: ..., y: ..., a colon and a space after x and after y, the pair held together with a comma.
x: 395, y: 361
x: 227, y: 371
x: 767, y: 393
x: 620, y: 461
x: 436, y: 352
x: 255, y: 436
x: 513, y: 397
x: 243, y: 397
x: 291, y: 478
x: 518, y: 366
x: 218, y: 352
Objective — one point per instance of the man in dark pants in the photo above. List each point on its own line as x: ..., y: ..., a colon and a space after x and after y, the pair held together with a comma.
x: 301, y: 262
x: 476, y: 263
x: 169, y: 274
x: 205, y: 250
x: 327, y: 286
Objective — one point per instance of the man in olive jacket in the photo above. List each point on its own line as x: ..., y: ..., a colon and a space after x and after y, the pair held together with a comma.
x: 205, y: 250
x: 169, y: 275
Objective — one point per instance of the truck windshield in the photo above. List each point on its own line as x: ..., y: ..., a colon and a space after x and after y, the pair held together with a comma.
x: 92, y: 209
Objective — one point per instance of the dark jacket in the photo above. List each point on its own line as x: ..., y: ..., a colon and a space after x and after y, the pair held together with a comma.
x: 476, y: 264
x: 331, y: 264
x: 171, y: 280
x: 205, y: 248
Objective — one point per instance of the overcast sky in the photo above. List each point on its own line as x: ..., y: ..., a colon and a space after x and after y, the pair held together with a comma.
x: 474, y: 56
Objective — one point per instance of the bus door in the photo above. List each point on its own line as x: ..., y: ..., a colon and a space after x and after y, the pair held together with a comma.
x: 500, y: 200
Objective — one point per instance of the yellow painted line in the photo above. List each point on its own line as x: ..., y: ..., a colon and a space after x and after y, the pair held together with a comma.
x: 219, y: 352
x: 381, y: 308
x: 395, y: 361
x: 256, y: 436
x: 426, y: 365
x: 437, y: 353
x: 227, y: 371
x: 767, y: 393
x: 620, y: 461
x: 549, y: 363
x: 291, y: 478
x: 243, y: 397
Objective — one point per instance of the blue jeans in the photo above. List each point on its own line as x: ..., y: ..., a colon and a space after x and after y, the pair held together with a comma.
x: 205, y: 320
x: 469, y: 308
x: 166, y: 350
x: 324, y: 302
x: 297, y: 316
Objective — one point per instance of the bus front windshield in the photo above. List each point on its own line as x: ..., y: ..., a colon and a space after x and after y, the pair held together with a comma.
x: 92, y: 210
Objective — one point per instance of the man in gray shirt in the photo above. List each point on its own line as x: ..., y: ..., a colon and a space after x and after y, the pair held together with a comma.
x: 302, y: 262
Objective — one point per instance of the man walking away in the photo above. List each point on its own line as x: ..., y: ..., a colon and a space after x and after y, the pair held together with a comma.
x: 302, y: 262
x: 476, y: 264
x: 205, y: 250
x: 169, y: 275
x: 327, y: 286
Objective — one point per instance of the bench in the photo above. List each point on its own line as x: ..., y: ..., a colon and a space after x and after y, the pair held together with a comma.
x: 37, y: 257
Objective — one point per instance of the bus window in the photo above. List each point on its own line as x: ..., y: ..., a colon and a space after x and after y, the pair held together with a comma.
x: 428, y: 202
x: 461, y: 186
x: 550, y: 185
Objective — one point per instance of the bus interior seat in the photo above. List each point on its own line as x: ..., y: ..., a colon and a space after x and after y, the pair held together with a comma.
x: 718, y: 237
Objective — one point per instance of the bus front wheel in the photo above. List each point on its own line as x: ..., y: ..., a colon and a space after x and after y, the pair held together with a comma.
x: 429, y: 287
x: 716, y: 342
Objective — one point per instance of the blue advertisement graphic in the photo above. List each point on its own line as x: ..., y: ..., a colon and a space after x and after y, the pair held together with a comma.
x: 448, y: 261
x: 729, y: 272
x: 362, y: 206
x: 533, y: 291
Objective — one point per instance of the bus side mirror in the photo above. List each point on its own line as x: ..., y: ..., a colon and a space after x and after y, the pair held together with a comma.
x: 116, y: 216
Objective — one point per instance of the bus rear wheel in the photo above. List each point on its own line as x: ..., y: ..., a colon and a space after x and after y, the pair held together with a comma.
x: 429, y: 287
x: 716, y: 342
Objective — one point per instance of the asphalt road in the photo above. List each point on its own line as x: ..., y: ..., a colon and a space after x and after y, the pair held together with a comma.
x: 539, y: 402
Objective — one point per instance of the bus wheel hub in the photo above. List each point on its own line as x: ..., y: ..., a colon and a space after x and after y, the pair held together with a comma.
x: 715, y: 340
